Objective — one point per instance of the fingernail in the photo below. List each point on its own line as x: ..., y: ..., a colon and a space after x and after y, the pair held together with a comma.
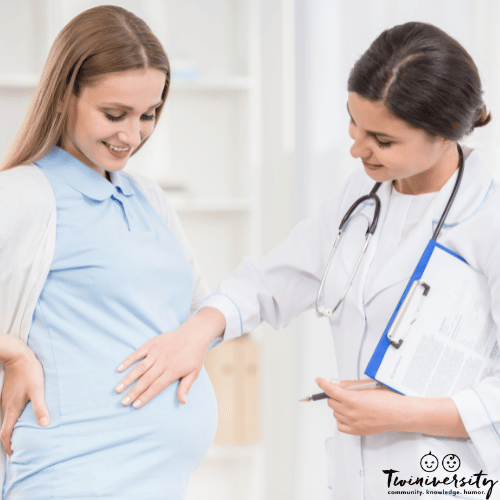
x: 335, y: 380
x: 125, y: 400
x: 316, y: 379
x: 120, y: 368
x: 137, y: 403
x: 184, y: 399
x: 119, y: 387
x: 44, y: 421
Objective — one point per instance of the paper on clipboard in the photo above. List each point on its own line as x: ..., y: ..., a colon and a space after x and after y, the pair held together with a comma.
x: 448, y: 335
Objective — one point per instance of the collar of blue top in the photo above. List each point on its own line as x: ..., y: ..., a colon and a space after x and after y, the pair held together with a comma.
x: 83, y: 178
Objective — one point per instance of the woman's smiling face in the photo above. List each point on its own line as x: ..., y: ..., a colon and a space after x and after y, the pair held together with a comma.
x: 393, y: 150
x: 111, y: 119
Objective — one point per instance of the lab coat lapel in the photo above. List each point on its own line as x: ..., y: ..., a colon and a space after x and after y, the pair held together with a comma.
x: 401, y: 265
x: 474, y: 187
x: 476, y: 183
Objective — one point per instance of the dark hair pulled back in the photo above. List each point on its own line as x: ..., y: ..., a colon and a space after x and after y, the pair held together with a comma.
x: 425, y: 78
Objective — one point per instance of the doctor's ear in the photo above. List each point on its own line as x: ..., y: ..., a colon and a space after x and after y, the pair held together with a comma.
x: 439, y: 139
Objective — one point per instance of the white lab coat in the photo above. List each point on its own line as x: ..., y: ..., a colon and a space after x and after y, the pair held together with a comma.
x: 285, y: 282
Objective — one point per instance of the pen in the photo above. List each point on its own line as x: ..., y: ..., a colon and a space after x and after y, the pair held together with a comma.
x: 324, y: 395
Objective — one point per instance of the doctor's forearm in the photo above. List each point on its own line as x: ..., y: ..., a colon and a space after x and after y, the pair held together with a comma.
x: 433, y: 416
x: 210, y: 322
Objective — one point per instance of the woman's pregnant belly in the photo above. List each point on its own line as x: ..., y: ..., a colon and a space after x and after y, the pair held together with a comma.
x: 94, y: 446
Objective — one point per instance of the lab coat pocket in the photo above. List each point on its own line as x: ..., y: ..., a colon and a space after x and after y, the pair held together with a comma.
x: 344, y: 464
x: 330, y: 451
x: 337, y: 458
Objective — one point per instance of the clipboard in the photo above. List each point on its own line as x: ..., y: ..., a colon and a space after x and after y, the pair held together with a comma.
x: 441, y: 337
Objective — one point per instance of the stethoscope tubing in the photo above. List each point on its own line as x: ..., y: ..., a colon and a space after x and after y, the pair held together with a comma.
x: 371, y: 196
x: 453, y: 193
x: 321, y: 311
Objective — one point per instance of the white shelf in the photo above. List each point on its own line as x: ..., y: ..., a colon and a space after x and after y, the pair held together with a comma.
x: 212, y: 205
x: 19, y: 80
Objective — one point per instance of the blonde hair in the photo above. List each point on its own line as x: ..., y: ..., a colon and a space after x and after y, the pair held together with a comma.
x: 101, y: 40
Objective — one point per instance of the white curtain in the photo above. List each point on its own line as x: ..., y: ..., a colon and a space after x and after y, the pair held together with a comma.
x: 330, y: 37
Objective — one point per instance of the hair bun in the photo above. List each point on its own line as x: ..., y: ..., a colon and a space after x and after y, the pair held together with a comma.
x: 482, y: 117
x: 425, y: 78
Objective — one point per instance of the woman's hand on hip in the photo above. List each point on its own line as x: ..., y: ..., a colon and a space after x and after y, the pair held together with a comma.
x: 171, y: 356
x: 23, y: 382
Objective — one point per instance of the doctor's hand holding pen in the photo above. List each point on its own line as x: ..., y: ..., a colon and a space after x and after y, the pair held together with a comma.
x: 377, y: 409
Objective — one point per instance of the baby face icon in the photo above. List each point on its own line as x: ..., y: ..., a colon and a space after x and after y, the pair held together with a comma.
x: 429, y: 462
x: 451, y: 463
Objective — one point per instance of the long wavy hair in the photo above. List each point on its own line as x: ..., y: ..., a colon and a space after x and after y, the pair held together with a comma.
x: 99, y: 41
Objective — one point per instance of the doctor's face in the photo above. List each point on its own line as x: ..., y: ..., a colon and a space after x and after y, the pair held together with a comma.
x: 111, y: 119
x: 393, y: 150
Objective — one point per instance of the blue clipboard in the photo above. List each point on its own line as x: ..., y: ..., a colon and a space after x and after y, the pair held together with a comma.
x: 385, y: 342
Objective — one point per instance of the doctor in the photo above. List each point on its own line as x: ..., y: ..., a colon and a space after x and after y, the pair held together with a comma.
x: 413, y: 95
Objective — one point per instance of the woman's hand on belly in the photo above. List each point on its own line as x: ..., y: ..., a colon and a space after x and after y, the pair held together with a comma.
x: 174, y: 355
x: 379, y: 410
x: 23, y: 382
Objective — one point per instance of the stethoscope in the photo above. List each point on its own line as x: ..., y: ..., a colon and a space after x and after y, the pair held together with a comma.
x: 320, y: 310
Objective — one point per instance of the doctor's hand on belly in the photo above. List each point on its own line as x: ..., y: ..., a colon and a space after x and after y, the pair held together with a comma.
x: 379, y: 410
x: 171, y: 356
x: 23, y: 382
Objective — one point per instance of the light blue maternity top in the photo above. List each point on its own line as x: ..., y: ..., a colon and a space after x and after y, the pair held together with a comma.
x: 118, y: 279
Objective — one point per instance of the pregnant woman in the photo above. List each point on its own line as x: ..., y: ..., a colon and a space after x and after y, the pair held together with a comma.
x: 93, y: 266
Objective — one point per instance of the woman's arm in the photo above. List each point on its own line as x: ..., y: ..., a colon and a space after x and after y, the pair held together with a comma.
x: 275, y: 289
x: 375, y: 411
x: 23, y: 382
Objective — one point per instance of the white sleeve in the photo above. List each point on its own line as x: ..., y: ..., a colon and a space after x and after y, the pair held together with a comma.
x: 27, y: 240
x: 479, y: 406
x: 163, y: 206
x: 285, y: 282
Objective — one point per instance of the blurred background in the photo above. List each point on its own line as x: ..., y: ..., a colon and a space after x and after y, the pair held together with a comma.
x: 253, y: 138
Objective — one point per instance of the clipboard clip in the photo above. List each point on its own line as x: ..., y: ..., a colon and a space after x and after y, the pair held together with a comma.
x: 391, y: 334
